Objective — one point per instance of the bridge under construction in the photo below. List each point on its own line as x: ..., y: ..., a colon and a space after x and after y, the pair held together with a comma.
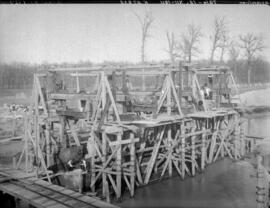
x: 108, y: 130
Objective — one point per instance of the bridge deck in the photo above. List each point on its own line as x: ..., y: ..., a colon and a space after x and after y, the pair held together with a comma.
x: 42, y: 194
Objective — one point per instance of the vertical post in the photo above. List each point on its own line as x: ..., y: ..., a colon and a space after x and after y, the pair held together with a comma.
x: 47, y: 135
x: 113, y: 85
x: 203, y: 149
x: 92, y: 142
x: 243, y: 144
x: 169, y: 96
x: 62, y: 132
x: 92, y: 173
x: 218, y: 98
x: 78, y: 89
x: 261, y: 202
x: 36, y: 126
x: 132, y: 164
x: 124, y: 90
x: 170, y: 149
x: 104, y: 178
x: 118, y: 166
x: 224, y: 139
x: 236, y: 142
x: 193, y: 156
x: 180, y: 89
x: 14, y: 124
x: 103, y: 91
x: 183, y: 159
x: 26, y: 142
x: 107, y: 192
x: 80, y: 180
x: 169, y: 110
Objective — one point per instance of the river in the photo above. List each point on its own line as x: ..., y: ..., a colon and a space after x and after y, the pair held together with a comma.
x: 224, y: 184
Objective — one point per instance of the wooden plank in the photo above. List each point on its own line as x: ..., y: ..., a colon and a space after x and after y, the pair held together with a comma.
x: 72, y: 96
x: 22, y: 193
x: 87, y: 199
x: 71, y: 193
x: 56, y: 199
x: 41, y: 200
x: 126, y: 141
x: 100, y: 203
x: 5, y: 179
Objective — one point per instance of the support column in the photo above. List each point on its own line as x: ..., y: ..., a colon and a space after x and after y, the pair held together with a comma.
x: 242, y: 138
x: 62, y: 132
x: 193, y: 154
x: 237, y: 144
x: 170, y: 149
x: 104, y: 177
x: 118, y: 167
x: 92, y: 160
x: 261, y: 198
x: 203, y: 150
x: 132, y: 164
x: 48, y: 145
x: 183, y: 155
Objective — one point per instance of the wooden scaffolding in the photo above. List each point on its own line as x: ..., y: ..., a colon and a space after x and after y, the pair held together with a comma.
x: 126, y: 149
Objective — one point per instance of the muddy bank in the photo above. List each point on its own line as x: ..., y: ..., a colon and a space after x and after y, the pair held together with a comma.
x: 254, y: 109
x: 256, y: 98
x: 255, y: 102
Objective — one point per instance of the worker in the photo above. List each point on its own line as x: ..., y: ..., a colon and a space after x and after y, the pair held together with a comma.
x: 200, y: 106
x: 210, y: 79
x: 129, y: 84
x: 206, y: 91
x: 91, y: 151
x: 202, y: 92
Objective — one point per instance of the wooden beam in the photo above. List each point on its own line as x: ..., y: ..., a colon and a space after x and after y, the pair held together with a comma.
x: 118, y: 167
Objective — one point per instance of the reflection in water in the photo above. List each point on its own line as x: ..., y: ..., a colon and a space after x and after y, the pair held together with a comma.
x: 259, y: 125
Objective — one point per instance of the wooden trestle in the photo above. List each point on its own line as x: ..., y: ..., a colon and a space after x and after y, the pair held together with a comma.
x: 124, y: 154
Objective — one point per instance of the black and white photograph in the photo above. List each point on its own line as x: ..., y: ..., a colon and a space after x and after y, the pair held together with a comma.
x: 133, y: 104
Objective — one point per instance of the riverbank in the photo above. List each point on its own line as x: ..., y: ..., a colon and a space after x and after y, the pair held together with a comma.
x: 256, y: 98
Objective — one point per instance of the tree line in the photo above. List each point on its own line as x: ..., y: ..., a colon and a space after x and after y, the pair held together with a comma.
x: 20, y: 75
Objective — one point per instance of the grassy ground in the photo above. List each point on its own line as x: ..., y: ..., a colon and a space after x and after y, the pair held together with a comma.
x: 18, y: 96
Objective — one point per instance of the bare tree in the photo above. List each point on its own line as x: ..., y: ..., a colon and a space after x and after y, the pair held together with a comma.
x: 234, y: 52
x: 251, y: 44
x: 190, y: 40
x: 223, y: 45
x: 220, y: 30
x: 146, y: 23
x: 172, y: 46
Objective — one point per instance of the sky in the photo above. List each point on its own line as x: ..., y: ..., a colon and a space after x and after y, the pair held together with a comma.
x: 111, y: 32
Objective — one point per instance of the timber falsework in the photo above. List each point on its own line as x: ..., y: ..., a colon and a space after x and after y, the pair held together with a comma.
x: 131, y: 135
